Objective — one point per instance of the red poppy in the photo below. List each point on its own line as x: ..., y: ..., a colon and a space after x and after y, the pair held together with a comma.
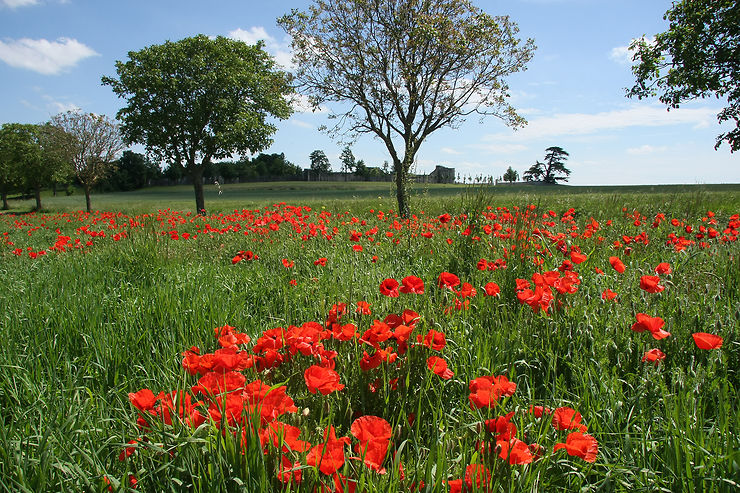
x: 617, y: 264
x: 322, y: 379
x: 653, y: 355
x: 290, y: 471
x: 439, y: 367
x: 328, y: 457
x: 577, y: 257
x: 707, y: 341
x: 363, y: 308
x: 650, y: 284
x: 487, y: 390
x: 288, y: 263
x: 502, y: 427
x: 538, y: 411
x: 357, y: 248
x: 435, y: 340
x: 492, y: 289
x: 580, y: 445
x: 467, y: 290
x: 515, y: 451
x: 566, y: 418
x: 284, y: 436
x: 652, y: 324
x: 448, y: 280
x: 608, y: 294
x: 412, y: 284
x: 321, y: 261
x: 482, y: 264
x: 143, y: 400
x: 389, y: 287
x: 374, y: 434
x: 663, y: 268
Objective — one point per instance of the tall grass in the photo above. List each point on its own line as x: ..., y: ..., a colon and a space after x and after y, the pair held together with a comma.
x: 83, y: 328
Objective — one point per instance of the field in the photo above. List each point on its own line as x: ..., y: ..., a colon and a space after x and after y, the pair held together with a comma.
x: 305, y: 338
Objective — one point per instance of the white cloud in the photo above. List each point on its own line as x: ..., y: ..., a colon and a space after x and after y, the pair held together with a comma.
x: 645, y: 149
x: 44, y: 56
x: 575, y: 124
x: 449, y: 150
x: 623, y: 55
x: 19, y: 3
x: 280, y: 50
x: 300, y: 123
x: 501, y: 148
x: 301, y: 104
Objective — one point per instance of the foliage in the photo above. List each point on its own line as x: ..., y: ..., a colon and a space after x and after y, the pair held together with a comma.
x: 511, y: 175
x: 349, y: 164
x: 552, y: 170
x: 319, y: 162
x: 132, y: 172
x: 535, y: 172
x: 200, y: 99
x: 10, y: 171
x: 90, y: 143
x: 696, y: 57
x: 406, y: 67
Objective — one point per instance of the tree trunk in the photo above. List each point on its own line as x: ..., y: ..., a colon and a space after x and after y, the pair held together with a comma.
x: 37, y: 194
x: 86, y: 187
x: 402, y: 191
x: 5, y: 201
x: 200, y: 205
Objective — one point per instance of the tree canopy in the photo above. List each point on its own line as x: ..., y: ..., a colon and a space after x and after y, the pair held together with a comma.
x: 511, y: 175
x: 319, y: 161
x: 697, y: 57
x: 405, y: 68
x: 552, y: 170
x: 199, y: 99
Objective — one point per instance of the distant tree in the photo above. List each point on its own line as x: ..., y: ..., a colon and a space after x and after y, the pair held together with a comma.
x: 319, y: 162
x: 360, y: 169
x: 554, y: 165
x: 535, y: 173
x: 55, y: 159
x: 511, y: 176
x: 132, y: 172
x: 697, y: 57
x: 90, y: 143
x: 406, y: 68
x: 274, y: 165
x: 9, y: 166
x: 348, y: 160
x: 200, y: 99
x: 26, y: 152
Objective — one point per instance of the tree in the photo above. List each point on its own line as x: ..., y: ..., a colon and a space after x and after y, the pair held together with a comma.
x: 9, y: 168
x: 554, y: 166
x: 511, y: 176
x: 535, y: 172
x: 697, y: 57
x: 199, y: 99
x: 90, y: 143
x: 348, y: 161
x: 406, y: 67
x: 132, y: 172
x: 319, y: 162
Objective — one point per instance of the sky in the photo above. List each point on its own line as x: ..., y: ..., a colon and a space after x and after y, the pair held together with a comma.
x: 54, y: 52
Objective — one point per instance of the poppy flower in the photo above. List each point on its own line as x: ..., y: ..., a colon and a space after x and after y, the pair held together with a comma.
x: 538, y: 411
x: 290, y: 471
x: 439, y: 367
x: 487, y: 390
x: 389, y: 287
x: 374, y: 434
x: 653, y: 355
x: 566, y: 418
x: 617, y: 264
x: 650, y: 284
x: 357, y: 248
x: 363, y: 308
x: 580, y: 445
x: 514, y: 451
x: 448, y: 280
x: 322, y: 379
x: 435, y: 340
x: 577, y: 257
x: 467, y: 290
x: 608, y: 294
x: 502, y: 427
x: 663, y: 268
x: 328, y: 457
x: 288, y: 263
x: 143, y: 400
x: 492, y: 289
x: 321, y: 261
x: 652, y: 324
x: 412, y: 284
x: 707, y: 341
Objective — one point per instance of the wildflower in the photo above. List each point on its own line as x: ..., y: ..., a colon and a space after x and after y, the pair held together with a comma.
x: 448, y: 280
x: 439, y: 367
x: 374, y: 434
x: 487, y: 390
x: 363, y: 308
x: 492, y: 289
x: 652, y: 324
x: 328, y: 457
x: 566, y: 418
x: 608, y: 294
x: 412, y: 284
x: 435, y: 340
x: 663, y: 268
x: 650, y: 284
x: 321, y: 261
x: 653, y: 355
x: 707, y: 341
x: 389, y: 287
x: 322, y: 379
x: 580, y: 445
x: 617, y: 264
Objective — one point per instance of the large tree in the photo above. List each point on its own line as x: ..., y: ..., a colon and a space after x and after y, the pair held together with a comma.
x: 319, y: 162
x: 405, y: 68
x: 348, y: 161
x: 199, y: 99
x: 9, y: 168
x: 511, y: 175
x: 91, y: 144
x: 697, y: 57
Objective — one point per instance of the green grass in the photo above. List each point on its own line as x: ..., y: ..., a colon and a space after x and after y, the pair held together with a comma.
x: 83, y: 328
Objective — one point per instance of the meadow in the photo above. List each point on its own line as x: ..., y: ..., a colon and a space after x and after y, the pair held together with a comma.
x: 304, y: 338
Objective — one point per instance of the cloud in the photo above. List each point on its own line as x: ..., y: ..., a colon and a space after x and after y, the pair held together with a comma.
x: 14, y: 4
x: 645, y: 149
x: 449, y: 150
x: 577, y: 124
x: 300, y: 123
x: 43, y: 56
x: 301, y: 104
x: 623, y: 55
x: 280, y: 50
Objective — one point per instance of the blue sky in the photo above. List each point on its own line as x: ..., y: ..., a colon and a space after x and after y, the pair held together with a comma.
x: 53, y: 53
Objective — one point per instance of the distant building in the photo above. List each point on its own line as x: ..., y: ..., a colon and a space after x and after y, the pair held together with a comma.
x: 442, y: 174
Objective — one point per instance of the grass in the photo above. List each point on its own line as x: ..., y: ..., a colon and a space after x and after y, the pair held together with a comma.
x: 83, y: 328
